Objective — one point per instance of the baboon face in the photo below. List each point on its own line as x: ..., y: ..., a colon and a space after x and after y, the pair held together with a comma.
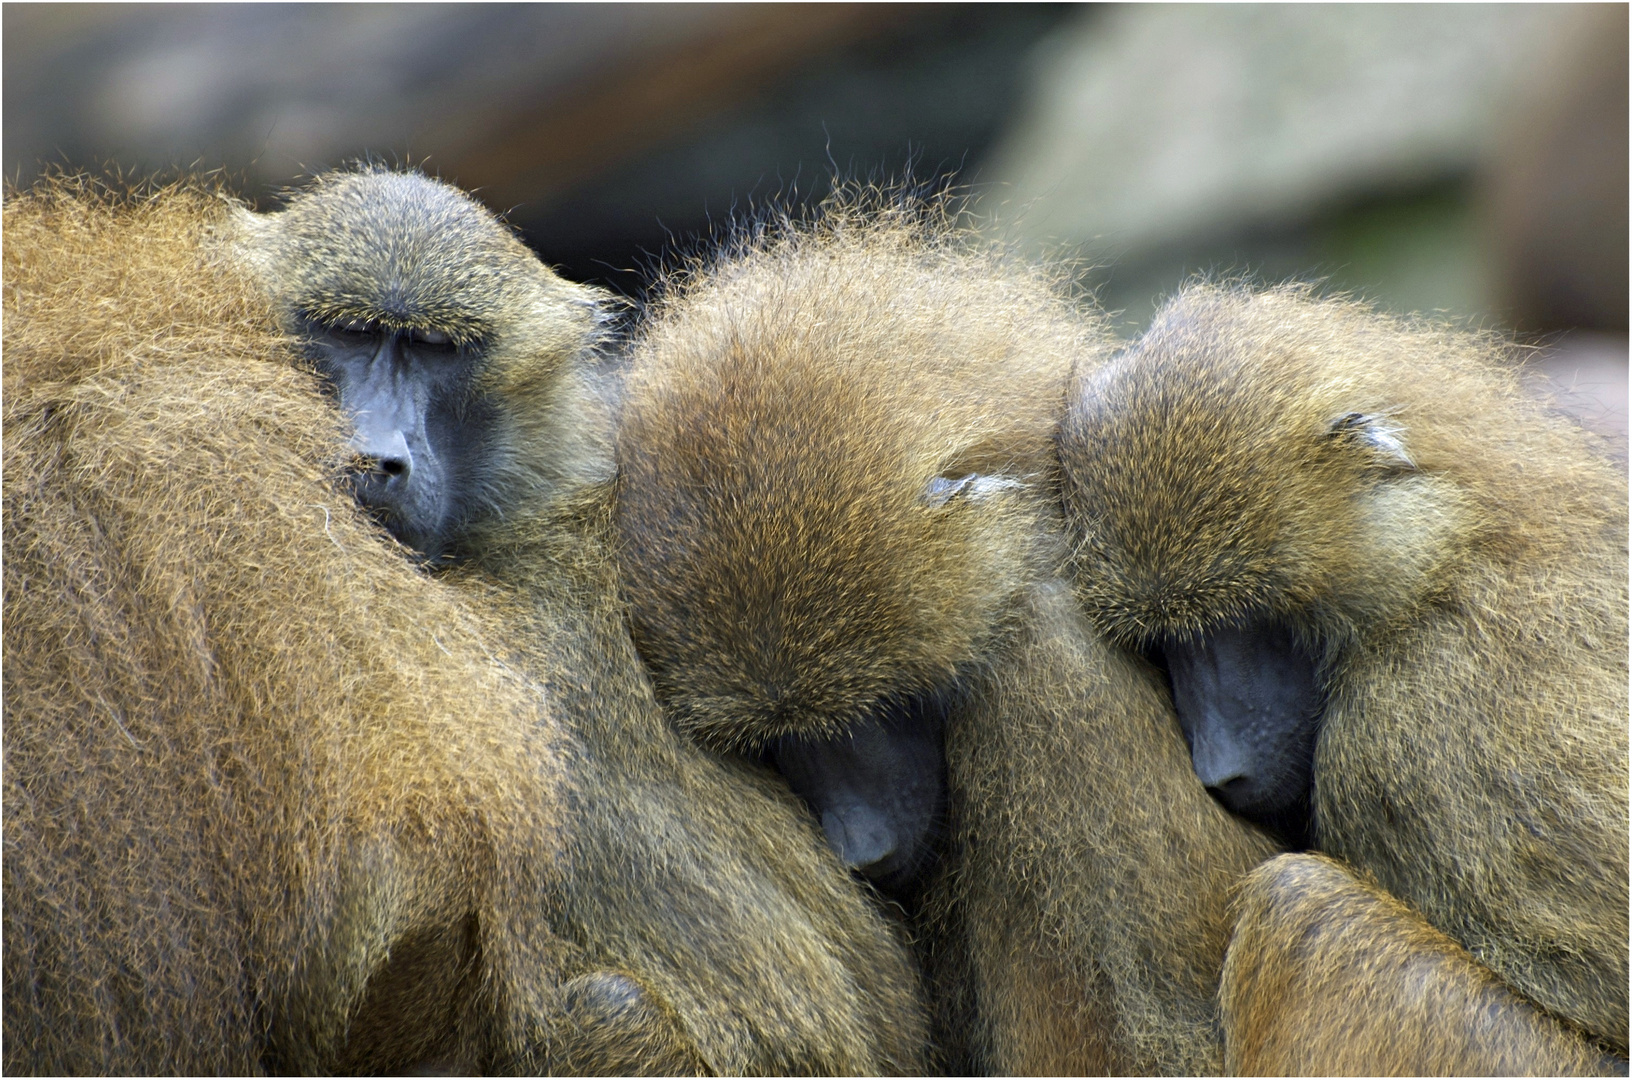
x: 419, y: 423
x: 1246, y: 504
x: 830, y: 481
x: 434, y: 327
x: 1249, y: 700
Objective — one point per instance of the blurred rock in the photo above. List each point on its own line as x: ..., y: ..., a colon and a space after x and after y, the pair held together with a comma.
x: 272, y: 90
x: 1149, y: 124
x: 927, y: 96
x: 1556, y: 195
x: 1585, y: 374
x: 606, y: 131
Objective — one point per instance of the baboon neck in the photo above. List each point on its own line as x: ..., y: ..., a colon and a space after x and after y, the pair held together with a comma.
x: 551, y: 555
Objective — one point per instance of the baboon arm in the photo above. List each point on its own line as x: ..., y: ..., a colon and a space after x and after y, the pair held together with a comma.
x: 1082, y: 737
x: 1328, y: 975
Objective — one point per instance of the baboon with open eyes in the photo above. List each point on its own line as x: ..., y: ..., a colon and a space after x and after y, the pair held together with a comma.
x: 1390, y: 592
x: 485, y: 450
x: 843, y: 554
x: 272, y: 802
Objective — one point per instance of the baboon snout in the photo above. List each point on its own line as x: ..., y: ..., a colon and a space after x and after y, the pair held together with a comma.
x: 385, y: 454
x: 1249, y: 700
x: 861, y: 835
x: 1224, y: 768
x: 878, y: 791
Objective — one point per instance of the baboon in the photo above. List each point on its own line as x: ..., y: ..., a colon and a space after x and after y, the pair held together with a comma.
x: 485, y: 449
x: 843, y: 556
x: 1390, y: 591
x: 1327, y: 975
x: 272, y: 801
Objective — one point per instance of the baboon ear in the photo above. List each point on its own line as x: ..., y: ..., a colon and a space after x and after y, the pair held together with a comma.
x: 971, y: 487
x: 1379, y: 435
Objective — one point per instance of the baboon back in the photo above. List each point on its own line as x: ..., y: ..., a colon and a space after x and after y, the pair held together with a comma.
x: 1329, y: 975
x: 1269, y: 481
x: 250, y: 784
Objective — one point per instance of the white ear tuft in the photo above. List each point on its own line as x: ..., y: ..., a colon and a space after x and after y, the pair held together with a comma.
x: 1378, y: 433
x: 973, y: 487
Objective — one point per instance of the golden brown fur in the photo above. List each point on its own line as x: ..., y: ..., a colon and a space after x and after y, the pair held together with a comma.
x: 705, y: 879
x: 254, y: 817
x: 787, y: 409
x: 1328, y: 975
x: 1462, y: 569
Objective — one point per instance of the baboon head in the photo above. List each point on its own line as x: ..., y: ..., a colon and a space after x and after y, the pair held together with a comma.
x: 1250, y: 495
x: 444, y: 339
x: 832, y: 460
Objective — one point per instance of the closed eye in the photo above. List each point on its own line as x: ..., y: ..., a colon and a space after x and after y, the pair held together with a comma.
x: 429, y: 336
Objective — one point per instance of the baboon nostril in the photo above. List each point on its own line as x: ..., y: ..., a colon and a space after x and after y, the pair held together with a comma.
x: 860, y: 834
x: 387, y: 459
x: 384, y: 455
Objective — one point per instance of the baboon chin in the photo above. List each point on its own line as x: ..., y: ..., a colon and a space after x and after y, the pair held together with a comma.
x: 1389, y: 589
x: 841, y: 546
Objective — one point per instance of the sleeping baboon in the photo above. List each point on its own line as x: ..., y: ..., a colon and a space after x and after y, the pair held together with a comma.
x: 461, y: 360
x: 1328, y: 975
x: 1390, y: 590
x: 272, y: 802
x: 842, y: 551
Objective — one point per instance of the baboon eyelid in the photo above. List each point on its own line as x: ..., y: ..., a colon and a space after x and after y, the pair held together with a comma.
x: 1391, y: 444
x: 982, y: 486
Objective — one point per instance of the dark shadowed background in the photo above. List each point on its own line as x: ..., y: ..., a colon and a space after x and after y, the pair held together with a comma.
x: 1464, y: 158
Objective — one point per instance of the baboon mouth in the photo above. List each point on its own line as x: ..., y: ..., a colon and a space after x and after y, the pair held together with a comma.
x: 425, y: 547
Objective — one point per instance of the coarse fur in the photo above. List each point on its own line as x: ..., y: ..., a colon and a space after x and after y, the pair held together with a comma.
x: 403, y: 252
x: 1453, y: 554
x: 1328, y: 975
x: 706, y: 879
x: 272, y: 802
x: 836, y: 503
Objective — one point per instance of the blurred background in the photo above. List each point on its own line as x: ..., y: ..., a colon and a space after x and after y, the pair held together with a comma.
x: 1469, y: 159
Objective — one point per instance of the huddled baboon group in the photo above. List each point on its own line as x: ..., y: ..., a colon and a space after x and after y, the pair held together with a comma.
x: 860, y: 664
